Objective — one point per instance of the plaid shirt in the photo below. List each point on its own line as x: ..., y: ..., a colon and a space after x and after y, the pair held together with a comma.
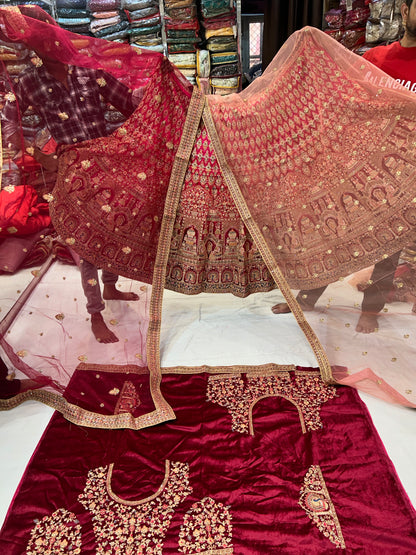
x: 74, y: 114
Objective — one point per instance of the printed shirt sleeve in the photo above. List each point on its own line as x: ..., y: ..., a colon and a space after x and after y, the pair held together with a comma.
x: 116, y: 93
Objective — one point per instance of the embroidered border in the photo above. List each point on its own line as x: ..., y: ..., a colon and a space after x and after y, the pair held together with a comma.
x: 264, y: 250
x: 115, y: 497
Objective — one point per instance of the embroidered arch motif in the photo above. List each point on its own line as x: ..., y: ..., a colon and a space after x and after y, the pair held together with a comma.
x: 305, y: 390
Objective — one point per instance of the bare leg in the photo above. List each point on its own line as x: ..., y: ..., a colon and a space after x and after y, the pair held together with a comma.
x: 367, y: 322
x: 99, y: 329
x: 110, y: 292
x: 306, y: 300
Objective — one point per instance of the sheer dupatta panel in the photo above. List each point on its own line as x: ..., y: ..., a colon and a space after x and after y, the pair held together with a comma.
x: 326, y: 141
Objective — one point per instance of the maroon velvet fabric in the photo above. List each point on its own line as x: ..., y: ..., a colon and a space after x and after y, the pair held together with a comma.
x: 257, y: 478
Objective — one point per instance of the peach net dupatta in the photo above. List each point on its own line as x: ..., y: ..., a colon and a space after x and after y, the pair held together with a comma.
x: 324, y: 178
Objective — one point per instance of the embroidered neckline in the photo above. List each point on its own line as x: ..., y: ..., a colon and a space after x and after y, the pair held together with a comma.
x: 136, y: 502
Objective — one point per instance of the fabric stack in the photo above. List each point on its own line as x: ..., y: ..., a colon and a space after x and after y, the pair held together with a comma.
x: 219, y: 23
x: 145, y: 29
x: 347, y: 23
x: 108, y: 21
x: 182, y: 35
x: 385, y: 22
x: 73, y: 16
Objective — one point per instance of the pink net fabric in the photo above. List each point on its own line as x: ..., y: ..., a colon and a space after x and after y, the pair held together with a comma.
x: 299, y: 181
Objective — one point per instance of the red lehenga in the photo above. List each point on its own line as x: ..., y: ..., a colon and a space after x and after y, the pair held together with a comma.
x: 302, y: 179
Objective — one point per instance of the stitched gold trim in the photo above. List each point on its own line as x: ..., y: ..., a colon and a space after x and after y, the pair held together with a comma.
x: 113, y: 368
x: 264, y: 250
x: 84, y: 417
x: 139, y: 501
x: 250, y: 411
x: 159, y: 275
x: 262, y: 370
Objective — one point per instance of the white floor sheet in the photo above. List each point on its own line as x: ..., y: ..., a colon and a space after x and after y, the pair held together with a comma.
x: 203, y: 329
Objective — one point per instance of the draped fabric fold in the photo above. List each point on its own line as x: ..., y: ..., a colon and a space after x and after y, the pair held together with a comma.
x: 302, y: 179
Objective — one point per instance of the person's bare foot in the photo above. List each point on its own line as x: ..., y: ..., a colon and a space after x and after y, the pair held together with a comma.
x: 101, y: 332
x: 110, y: 292
x: 367, y: 323
x: 283, y: 308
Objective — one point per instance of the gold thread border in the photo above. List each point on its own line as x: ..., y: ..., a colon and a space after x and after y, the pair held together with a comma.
x: 137, y: 502
x: 180, y: 165
x: 265, y: 252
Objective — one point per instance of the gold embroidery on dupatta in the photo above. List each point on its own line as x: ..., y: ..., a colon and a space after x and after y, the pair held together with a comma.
x: 262, y: 246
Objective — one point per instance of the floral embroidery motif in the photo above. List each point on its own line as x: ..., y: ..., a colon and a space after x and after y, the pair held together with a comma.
x: 133, y: 527
x: 206, y: 528
x: 307, y: 392
x: 58, y: 533
x: 315, y: 500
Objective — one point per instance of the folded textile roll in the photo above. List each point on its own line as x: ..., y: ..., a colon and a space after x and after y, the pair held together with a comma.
x: 181, y: 47
x: 134, y: 32
x: 178, y: 24
x: 103, y: 5
x: 154, y: 48
x: 182, y: 14
x: 103, y: 15
x: 132, y: 5
x: 225, y: 20
x: 224, y: 70
x: 71, y: 12
x: 103, y: 33
x: 144, y: 12
x: 99, y: 24
x: 68, y: 21
x: 147, y: 40
x: 179, y: 3
x: 74, y: 4
x: 79, y: 29
x: 221, y: 44
x: 203, y: 63
x: 186, y: 60
x: 218, y: 58
x: 221, y: 32
x: 120, y: 36
x: 146, y: 21
x: 225, y: 82
x: 181, y: 34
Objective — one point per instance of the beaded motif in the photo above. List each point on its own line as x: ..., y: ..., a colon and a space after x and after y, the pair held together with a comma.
x: 133, y: 527
x: 306, y: 392
x: 315, y: 500
x: 206, y: 528
x: 59, y: 533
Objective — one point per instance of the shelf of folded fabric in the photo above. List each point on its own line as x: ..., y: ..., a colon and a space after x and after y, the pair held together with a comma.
x: 221, y: 32
x: 145, y: 23
x: 359, y: 24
